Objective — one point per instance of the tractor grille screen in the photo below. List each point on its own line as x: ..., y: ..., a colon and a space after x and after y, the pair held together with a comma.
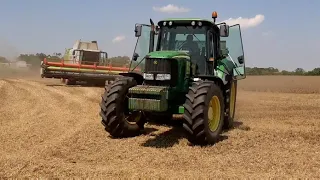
x: 162, y: 66
x: 154, y: 65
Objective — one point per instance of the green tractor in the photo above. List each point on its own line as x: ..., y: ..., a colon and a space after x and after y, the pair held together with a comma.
x: 190, y: 70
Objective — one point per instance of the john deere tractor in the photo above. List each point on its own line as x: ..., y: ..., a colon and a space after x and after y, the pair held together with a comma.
x: 191, y: 69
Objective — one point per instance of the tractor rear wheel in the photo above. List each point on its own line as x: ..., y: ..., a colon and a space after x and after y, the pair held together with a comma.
x: 204, y: 113
x: 116, y: 118
x: 231, y: 98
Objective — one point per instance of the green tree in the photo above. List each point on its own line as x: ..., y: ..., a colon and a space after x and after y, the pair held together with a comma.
x: 299, y: 71
x: 3, y: 60
x: 314, y: 72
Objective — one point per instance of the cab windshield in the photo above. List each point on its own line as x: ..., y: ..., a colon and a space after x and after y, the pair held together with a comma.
x: 182, y: 38
x: 185, y: 38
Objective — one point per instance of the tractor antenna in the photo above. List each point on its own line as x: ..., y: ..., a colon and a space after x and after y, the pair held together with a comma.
x: 152, y: 33
x: 151, y: 22
x: 152, y: 25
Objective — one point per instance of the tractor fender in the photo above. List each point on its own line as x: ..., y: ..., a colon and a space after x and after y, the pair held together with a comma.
x: 137, y: 76
x: 214, y: 79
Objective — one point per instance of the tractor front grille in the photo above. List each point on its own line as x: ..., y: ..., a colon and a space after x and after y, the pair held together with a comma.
x: 162, y: 66
x: 157, y: 65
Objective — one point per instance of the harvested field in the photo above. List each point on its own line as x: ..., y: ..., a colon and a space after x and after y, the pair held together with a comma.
x: 282, y: 84
x: 48, y: 130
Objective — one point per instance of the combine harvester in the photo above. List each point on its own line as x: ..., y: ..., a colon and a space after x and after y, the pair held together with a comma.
x: 84, y: 62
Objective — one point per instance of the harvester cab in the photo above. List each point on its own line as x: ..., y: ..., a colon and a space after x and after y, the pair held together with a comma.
x: 190, y: 70
x: 86, y: 53
x: 89, y: 57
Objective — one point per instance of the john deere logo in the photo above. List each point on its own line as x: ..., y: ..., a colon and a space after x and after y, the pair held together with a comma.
x: 155, y: 62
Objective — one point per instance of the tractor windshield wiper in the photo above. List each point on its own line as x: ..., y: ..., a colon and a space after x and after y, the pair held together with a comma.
x: 193, y: 34
x: 138, y: 63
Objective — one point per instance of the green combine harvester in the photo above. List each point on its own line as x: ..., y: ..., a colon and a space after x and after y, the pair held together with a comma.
x: 191, y: 69
x: 83, y: 62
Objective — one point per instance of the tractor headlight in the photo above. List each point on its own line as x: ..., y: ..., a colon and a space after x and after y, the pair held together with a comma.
x: 163, y: 77
x: 148, y: 76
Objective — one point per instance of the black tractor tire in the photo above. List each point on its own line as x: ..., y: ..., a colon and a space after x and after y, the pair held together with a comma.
x: 114, y: 109
x: 230, y: 101
x: 195, y: 117
x: 107, y: 85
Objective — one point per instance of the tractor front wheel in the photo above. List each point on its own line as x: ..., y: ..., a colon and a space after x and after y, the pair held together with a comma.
x: 116, y: 117
x: 204, y: 113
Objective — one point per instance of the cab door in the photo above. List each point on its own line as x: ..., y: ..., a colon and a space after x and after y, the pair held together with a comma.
x: 236, y: 53
x: 142, y: 47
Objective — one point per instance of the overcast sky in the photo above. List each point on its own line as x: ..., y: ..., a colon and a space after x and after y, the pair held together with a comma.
x: 283, y: 34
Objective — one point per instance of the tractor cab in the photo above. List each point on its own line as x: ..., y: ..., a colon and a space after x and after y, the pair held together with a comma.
x: 202, y: 42
x: 186, y: 38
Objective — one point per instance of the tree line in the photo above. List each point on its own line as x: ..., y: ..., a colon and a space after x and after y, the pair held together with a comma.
x: 275, y: 71
x: 35, y: 59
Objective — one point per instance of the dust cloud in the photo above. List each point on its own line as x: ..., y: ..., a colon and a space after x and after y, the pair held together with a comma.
x: 12, y: 69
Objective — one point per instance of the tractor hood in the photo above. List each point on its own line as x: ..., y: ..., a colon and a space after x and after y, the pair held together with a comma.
x: 169, y: 54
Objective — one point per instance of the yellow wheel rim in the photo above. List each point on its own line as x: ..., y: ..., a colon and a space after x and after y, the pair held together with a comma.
x: 214, y: 113
x: 232, y: 99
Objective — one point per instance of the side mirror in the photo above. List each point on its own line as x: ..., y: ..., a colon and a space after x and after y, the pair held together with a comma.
x: 224, y: 30
x: 135, y: 56
x: 138, y: 30
x: 241, y: 59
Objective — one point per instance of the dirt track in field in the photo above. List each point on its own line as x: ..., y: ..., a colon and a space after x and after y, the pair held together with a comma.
x: 49, y: 130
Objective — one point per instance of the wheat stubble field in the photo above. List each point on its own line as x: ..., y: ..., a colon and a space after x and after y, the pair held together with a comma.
x: 52, y: 131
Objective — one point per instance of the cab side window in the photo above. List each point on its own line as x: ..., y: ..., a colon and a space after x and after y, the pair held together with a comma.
x: 211, y: 45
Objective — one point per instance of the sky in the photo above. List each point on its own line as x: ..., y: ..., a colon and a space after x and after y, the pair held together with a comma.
x: 281, y: 34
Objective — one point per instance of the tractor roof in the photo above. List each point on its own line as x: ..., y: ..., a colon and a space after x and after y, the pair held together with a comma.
x: 187, y: 19
x: 184, y: 21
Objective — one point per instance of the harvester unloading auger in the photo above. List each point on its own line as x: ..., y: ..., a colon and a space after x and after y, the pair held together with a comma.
x: 83, y: 62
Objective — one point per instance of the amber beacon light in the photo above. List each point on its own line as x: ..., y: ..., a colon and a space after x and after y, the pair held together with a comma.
x: 214, y: 14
